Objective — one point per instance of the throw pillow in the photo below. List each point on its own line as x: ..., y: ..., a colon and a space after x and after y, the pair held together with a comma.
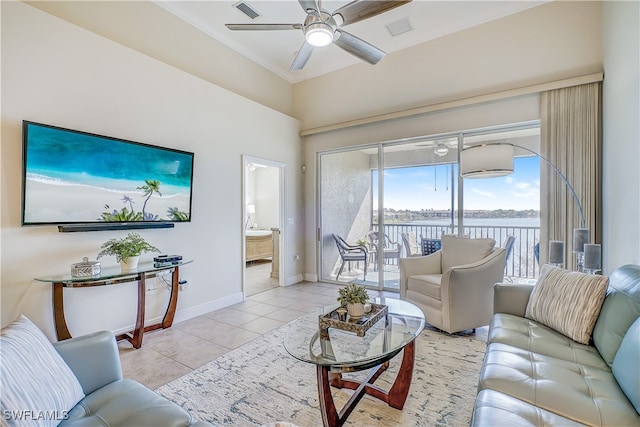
x: 567, y: 301
x: 462, y: 250
x: 38, y: 387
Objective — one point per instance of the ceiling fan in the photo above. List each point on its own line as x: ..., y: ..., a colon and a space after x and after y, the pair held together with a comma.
x: 322, y: 28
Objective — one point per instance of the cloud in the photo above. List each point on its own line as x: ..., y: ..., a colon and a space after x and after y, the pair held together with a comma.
x: 483, y: 193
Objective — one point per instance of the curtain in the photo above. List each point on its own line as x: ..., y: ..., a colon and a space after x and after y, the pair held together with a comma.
x: 571, y: 139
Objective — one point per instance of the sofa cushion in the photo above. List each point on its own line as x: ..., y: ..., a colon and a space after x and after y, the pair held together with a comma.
x: 579, y: 392
x: 626, y: 364
x: 493, y: 408
x: 567, y: 301
x: 461, y: 250
x: 535, y: 337
x: 34, y: 376
x: 427, y: 284
x: 620, y: 309
x: 126, y: 402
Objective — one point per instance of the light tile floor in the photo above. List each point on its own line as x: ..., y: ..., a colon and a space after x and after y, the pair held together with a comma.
x: 170, y: 353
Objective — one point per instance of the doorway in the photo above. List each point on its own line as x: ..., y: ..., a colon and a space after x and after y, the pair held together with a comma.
x: 262, y: 207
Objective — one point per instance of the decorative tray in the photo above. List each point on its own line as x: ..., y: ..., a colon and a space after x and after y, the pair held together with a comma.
x: 358, y: 325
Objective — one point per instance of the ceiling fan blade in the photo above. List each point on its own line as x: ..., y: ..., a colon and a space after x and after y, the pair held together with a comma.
x: 302, y: 57
x: 358, y: 47
x: 253, y: 27
x: 309, y: 5
x: 360, y: 10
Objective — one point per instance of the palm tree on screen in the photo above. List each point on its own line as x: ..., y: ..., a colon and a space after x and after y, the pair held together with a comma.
x: 151, y: 186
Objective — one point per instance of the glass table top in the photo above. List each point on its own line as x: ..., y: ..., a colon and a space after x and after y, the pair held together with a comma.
x: 347, y: 350
x: 111, y: 272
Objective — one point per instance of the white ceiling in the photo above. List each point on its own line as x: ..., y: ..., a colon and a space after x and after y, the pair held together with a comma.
x: 275, y: 50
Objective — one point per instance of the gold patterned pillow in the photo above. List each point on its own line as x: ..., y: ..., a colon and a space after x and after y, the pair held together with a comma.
x: 567, y: 301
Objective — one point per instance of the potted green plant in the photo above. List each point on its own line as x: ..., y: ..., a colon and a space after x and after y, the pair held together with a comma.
x: 354, y: 297
x: 362, y: 241
x: 127, y: 250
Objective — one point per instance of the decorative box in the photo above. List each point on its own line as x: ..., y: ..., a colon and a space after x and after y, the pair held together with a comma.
x: 358, y: 326
x: 85, y: 268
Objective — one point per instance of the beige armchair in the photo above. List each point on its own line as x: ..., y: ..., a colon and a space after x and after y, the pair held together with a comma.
x: 454, y: 286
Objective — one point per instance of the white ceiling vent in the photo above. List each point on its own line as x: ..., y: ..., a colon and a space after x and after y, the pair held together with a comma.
x: 399, y: 27
x: 246, y: 9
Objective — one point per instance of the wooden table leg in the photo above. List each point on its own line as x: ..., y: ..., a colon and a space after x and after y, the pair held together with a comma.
x: 62, y: 331
x: 138, y: 332
x: 167, y: 321
x: 400, y: 388
x: 395, y: 397
x: 328, y: 410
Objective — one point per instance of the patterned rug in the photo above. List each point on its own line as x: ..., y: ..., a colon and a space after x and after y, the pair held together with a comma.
x: 261, y: 383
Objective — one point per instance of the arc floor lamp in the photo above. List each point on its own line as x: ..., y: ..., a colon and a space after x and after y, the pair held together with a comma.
x: 495, y: 160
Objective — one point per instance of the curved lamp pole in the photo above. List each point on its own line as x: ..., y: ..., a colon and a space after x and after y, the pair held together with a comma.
x: 494, y: 166
x: 496, y: 159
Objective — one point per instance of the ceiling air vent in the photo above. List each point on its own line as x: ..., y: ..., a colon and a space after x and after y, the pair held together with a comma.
x: 246, y: 9
x: 399, y: 27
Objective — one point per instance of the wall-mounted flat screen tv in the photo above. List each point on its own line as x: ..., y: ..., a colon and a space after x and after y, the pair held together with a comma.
x: 73, y: 177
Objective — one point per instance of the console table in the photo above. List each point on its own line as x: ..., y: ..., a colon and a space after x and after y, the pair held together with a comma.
x: 113, y: 276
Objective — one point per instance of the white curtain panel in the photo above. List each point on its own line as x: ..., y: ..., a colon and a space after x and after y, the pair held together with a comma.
x: 571, y: 138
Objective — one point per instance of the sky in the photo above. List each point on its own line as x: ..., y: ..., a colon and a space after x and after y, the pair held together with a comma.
x: 429, y: 187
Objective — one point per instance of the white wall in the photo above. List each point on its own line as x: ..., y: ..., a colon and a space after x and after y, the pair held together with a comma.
x: 621, y: 134
x: 148, y: 28
x: 56, y: 73
x: 550, y: 42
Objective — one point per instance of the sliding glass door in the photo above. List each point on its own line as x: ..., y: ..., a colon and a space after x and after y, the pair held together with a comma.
x: 386, y: 201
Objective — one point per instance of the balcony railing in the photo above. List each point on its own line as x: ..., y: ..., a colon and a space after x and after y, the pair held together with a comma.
x: 521, y: 264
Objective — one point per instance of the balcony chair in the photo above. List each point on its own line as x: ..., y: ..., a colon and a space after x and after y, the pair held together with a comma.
x: 429, y: 246
x: 411, y: 244
x: 390, y: 249
x: 350, y: 253
x: 454, y: 286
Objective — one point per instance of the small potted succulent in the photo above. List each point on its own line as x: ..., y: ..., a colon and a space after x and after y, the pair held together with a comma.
x: 354, y: 297
x: 127, y: 250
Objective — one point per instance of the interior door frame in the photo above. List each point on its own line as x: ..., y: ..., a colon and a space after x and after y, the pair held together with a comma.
x: 282, y: 172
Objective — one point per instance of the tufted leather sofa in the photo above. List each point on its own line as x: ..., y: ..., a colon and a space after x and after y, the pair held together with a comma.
x: 534, y: 376
x: 111, y: 400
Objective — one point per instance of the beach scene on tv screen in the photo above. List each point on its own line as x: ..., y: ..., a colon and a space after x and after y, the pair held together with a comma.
x: 76, y: 177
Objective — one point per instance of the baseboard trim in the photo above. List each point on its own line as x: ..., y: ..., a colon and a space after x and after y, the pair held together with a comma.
x: 190, y: 312
x: 199, y: 310
x: 310, y: 277
x: 293, y: 280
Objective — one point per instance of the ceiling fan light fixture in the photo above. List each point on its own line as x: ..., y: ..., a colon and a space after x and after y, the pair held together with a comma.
x: 441, y: 149
x: 318, y: 34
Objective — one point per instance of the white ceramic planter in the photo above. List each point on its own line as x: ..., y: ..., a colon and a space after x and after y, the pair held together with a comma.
x: 130, y: 263
x: 355, y: 310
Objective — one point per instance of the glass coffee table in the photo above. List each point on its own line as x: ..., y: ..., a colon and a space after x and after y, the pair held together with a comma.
x: 341, y: 352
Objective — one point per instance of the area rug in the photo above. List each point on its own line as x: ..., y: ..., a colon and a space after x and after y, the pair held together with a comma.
x: 260, y: 383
